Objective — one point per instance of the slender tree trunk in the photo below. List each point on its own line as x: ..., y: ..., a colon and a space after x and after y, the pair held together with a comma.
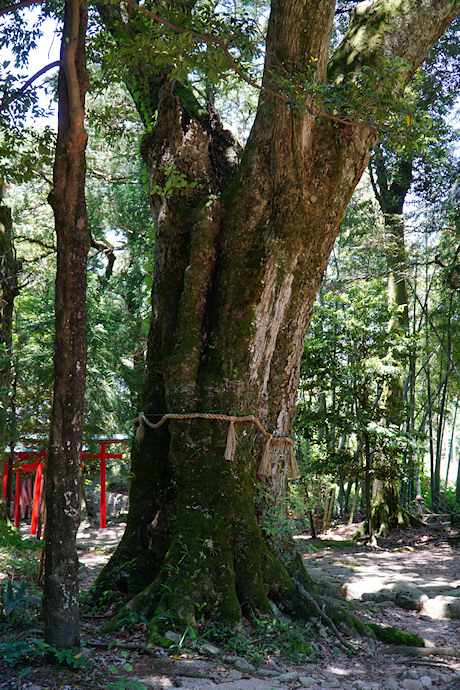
x: 441, y: 415
x: 9, y: 269
x: 436, y: 498
x: 391, y: 194
x: 430, y: 423
x: 457, y: 484
x: 60, y: 594
x: 368, y: 485
x: 452, y: 442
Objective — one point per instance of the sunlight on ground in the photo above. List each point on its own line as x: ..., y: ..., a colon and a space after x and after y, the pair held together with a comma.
x: 338, y: 671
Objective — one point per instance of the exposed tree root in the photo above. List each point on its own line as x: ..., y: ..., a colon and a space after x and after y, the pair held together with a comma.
x: 165, y: 665
x: 394, y: 636
x: 424, y: 651
x: 324, y: 617
x: 387, y: 515
x: 172, y: 596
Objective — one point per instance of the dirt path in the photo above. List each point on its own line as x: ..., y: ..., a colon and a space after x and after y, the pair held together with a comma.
x: 416, y: 588
x: 418, y: 566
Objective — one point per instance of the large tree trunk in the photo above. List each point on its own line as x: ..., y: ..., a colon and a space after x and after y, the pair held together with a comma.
x: 239, y: 255
x: 60, y: 594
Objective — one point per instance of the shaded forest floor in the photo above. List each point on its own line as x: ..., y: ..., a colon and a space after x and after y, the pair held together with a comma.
x: 392, y: 585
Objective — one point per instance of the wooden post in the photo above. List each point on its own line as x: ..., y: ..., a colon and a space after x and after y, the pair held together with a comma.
x: 36, y: 501
x: 103, y: 457
x: 5, y: 481
x: 16, y: 498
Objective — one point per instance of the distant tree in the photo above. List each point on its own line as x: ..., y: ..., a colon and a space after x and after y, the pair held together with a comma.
x: 346, y: 368
x: 419, y: 163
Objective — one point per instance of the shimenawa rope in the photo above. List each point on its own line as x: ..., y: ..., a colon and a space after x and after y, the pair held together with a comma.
x: 269, y: 455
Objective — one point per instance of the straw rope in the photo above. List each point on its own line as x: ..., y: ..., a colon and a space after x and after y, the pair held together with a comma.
x: 268, y: 452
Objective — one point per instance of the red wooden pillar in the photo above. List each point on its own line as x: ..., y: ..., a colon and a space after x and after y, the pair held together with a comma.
x: 103, y: 457
x: 37, y: 494
x: 5, y: 481
x: 16, y: 498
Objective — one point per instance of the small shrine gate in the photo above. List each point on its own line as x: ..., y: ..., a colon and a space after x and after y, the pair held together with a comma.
x: 33, y: 461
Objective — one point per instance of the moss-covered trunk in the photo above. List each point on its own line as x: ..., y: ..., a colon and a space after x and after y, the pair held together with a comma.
x: 391, y: 190
x: 240, y: 250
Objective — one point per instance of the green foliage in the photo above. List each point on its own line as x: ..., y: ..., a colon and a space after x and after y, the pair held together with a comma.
x: 19, y: 561
x: 118, y: 291
x: 24, y: 151
x: 67, y: 657
x: 262, y: 639
x: 16, y: 604
x: 371, y: 96
x: 347, y: 362
x: 281, y: 519
x: 451, y: 501
x: 174, y: 180
x: 16, y: 652
x: 123, y: 683
x: 12, y: 538
x: 129, y: 621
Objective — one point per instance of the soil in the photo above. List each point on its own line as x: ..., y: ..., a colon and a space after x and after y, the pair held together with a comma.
x: 418, y: 557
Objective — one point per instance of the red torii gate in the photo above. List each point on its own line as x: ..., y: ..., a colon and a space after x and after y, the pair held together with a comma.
x: 34, y: 460
x: 103, y: 456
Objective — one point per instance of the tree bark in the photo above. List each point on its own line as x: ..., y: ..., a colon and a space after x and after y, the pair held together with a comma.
x: 60, y: 594
x: 391, y: 192
x: 240, y: 251
x: 9, y: 270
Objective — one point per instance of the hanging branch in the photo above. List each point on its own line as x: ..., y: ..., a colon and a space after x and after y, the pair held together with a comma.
x: 18, y: 6
x: 13, y: 97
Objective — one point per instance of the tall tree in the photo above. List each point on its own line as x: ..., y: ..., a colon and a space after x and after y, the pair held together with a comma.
x: 67, y: 198
x: 391, y: 192
x: 9, y: 269
x: 240, y: 250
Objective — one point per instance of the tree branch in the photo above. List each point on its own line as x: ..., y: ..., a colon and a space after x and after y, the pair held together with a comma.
x: 35, y: 240
x: 19, y: 6
x: 111, y: 180
x: 406, y: 31
x: 6, y: 101
x: 76, y: 112
x: 324, y: 617
x: 109, y: 253
x: 207, y: 39
x: 424, y: 651
x: 225, y: 48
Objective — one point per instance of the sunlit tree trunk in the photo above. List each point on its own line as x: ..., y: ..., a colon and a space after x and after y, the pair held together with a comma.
x: 240, y: 251
x: 391, y: 190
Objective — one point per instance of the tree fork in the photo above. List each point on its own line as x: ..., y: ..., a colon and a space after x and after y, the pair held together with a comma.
x: 235, y: 279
